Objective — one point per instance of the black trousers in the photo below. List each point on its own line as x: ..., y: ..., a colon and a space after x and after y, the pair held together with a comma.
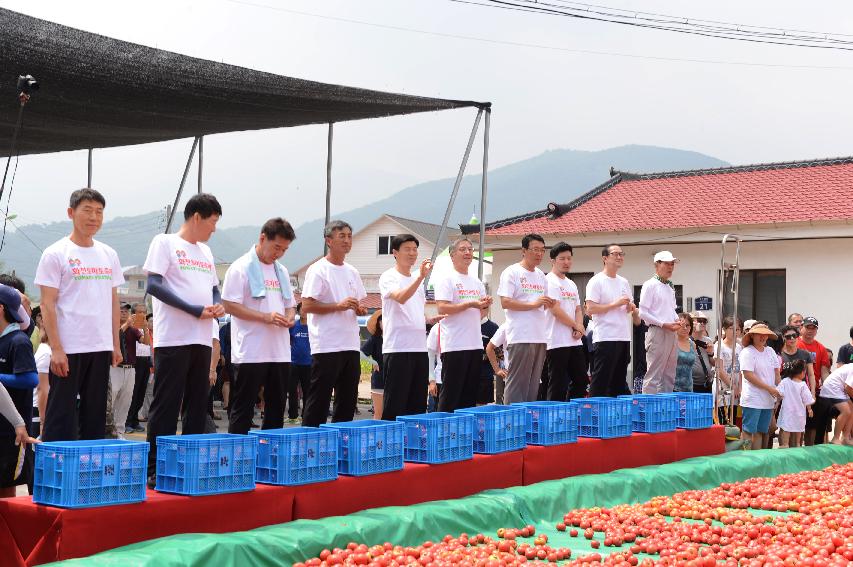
x: 406, y: 384
x: 338, y: 371
x: 182, y: 374
x: 246, y: 384
x: 140, y: 384
x: 610, y: 369
x: 460, y: 379
x: 566, y: 373
x: 88, y: 376
x: 299, y: 377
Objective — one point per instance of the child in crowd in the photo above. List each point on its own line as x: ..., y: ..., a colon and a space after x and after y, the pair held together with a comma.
x: 796, y: 404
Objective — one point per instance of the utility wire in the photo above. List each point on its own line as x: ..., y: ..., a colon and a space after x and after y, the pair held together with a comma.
x: 539, y: 45
x: 636, y: 13
x: 682, y: 25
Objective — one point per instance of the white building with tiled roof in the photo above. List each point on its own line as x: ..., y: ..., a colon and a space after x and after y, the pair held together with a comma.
x: 795, y: 220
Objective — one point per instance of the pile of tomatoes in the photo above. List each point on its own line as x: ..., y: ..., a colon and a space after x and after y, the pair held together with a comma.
x: 810, y: 524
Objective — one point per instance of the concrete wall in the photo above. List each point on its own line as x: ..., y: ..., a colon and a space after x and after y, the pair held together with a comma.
x: 818, y: 273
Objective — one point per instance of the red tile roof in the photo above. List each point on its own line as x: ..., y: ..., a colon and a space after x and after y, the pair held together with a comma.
x: 757, y: 194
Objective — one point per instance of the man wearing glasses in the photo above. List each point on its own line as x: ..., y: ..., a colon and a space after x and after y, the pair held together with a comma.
x: 522, y: 291
x: 609, y: 303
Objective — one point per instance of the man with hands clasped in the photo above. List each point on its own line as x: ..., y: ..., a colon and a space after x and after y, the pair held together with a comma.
x: 565, y: 355
x: 330, y: 297
x: 256, y: 293
x: 182, y: 280
x: 461, y: 298
x: 522, y: 291
x: 404, y: 349
x: 657, y: 309
x: 609, y: 303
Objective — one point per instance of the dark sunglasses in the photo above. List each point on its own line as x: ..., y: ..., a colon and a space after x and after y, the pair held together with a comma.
x: 789, y: 337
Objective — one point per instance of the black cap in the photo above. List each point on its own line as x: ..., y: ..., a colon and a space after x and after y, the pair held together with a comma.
x: 810, y: 321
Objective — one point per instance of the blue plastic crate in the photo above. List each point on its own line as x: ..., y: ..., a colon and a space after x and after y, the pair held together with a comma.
x: 82, y: 474
x: 695, y: 410
x: 605, y: 418
x: 297, y: 455
x: 369, y: 446
x: 653, y: 413
x: 438, y: 437
x: 212, y: 463
x: 551, y: 423
x: 499, y: 428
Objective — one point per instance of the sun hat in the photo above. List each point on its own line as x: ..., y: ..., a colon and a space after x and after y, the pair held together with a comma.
x: 757, y: 329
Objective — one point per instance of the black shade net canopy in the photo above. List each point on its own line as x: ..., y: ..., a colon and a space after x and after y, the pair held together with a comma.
x: 99, y: 92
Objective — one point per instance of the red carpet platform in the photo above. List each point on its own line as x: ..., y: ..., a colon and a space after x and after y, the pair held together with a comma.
x: 31, y: 534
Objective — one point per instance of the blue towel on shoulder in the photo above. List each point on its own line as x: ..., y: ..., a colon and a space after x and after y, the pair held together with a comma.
x: 256, y: 278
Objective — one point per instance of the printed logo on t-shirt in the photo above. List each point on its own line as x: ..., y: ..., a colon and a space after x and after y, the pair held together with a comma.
x: 272, y: 285
x: 467, y: 294
x: 568, y: 294
x: 190, y: 264
x: 531, y: 288
x: 80, y: 272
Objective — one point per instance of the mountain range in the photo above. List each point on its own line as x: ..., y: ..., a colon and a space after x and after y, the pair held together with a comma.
x: 556, y: 175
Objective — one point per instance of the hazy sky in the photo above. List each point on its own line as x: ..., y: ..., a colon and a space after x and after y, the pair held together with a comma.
x: 543, y: 98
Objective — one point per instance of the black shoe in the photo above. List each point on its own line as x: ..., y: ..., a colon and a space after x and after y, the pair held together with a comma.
x: 152, y: 481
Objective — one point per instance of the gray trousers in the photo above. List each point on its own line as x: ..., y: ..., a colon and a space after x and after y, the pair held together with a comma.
x: 525, y: 370
x: 661, y: 360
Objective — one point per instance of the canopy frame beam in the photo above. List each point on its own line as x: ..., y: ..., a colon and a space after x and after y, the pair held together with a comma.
x: 181, y: 186
x: 439, y: 242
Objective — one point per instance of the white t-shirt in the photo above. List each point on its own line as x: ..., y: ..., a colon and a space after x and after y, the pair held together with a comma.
x: 833, y: 386
x: 523, y: 285
x: 763, y: 364
x: 187, y: 270
x: 460, y: 331
x: 614, y: 325
x: 499, y: 340
x: 253, y: 341
x: 792, y: 415
x: 565, y: 291
x: 142, y: 350
x: 85, y: 277
x: 42, y: 355
x: 433, y: 345
x: 327, y: 283
x: 725, y: 354
x: 404, y: 326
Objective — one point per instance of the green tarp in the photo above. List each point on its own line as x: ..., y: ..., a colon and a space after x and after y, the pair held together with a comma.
x: 540, y: 504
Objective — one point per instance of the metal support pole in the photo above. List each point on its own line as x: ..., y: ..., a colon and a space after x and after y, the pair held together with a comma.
x: 200, y: 161
x: 89, y: 176
x: 484, y: 190
x: 439, y: 242
x: 181, y: 187
x: 328, y: 181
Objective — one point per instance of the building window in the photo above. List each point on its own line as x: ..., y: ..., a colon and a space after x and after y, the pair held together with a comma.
x: 679, y: 297
x: 761, y: 296
x: 140, y: 284
x: 384, y: 247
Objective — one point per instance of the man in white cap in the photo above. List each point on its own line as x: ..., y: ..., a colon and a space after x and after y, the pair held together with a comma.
x: 657, y: 309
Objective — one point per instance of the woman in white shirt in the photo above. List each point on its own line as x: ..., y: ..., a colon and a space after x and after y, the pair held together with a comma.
x: 760, y: 367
